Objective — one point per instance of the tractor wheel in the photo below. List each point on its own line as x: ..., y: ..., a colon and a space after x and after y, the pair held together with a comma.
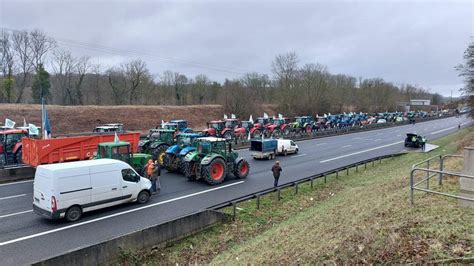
x: 171, y: 162
x: 18, y: 157
x: 228, y: 135
x: 160, y: 153
x: 276, y: 133
x: 188, y: 170
x: 256, y: 133
x: 286, y: 132
x: 241, y: 169
x: 309, y: 129
x: 215, y: 172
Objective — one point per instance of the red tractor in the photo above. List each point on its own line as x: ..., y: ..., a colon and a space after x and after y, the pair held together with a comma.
x: 278, y: 128
x: 242, y: 130
x: 10, y: 145
x: 218, y: 128
x: 260, y: 128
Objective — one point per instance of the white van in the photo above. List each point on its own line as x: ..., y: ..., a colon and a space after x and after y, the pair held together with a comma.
x: 287, y: 146
x: 66, y: 190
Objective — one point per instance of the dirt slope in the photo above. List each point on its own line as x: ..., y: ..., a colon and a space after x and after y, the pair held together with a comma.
x: 73, y: 119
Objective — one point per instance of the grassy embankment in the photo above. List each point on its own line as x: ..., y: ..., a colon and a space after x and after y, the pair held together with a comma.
x: 365, y: 217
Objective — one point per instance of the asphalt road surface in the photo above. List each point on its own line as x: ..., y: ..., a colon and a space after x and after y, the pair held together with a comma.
x: 26, y: 237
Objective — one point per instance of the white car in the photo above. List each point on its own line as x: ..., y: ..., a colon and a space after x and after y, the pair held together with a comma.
x: 286, y: 146
x: 67, y: 190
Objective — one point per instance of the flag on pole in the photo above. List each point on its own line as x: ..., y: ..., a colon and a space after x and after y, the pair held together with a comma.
x: 265, y: 115
x: 45, y: 119
x: 24, y: 123
x: 162, y: 124
x: 225, y: 116
x: 248, y: 136
x: 33, y: 130
x: 116, y: 138
x: 251, y: 119
x: 233, y: 116
x: 9, y: 123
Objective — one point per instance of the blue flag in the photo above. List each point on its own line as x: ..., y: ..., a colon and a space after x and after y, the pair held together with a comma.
x: 46, y: 125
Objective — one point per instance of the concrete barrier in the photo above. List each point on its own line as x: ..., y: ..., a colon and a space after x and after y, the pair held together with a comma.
x: 16, y: 173
x: 109, y: 251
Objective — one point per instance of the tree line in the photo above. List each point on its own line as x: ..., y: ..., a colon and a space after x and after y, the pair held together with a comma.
x: 33, y: 67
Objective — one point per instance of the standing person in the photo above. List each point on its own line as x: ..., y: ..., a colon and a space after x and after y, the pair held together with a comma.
x: 423, y: 143
x: 276, y: 169
x: 149, y: 168
x: 155, y: 176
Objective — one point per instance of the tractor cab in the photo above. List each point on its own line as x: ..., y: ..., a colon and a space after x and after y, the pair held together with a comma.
x: 10, y: 145
x: 231, y: 123
x: 279, y: 121
x: 161, y: 134
x: 122, y: 151
x: 303, y: 119
x: 187, y: 139
x: 181, y: 125
x: 170, y: 126
x: 264, y: 121
x: 217, y: 125
x: 247, y: 124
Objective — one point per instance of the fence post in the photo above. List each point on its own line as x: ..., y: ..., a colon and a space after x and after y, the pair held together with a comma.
x: 337, y: 174
x: 312, y: 183
x: 441, y: 168
x: 373, y: 163
x: 296, y: 187
x: 380, y: 160
x: 428, y: 175
x: 324, y: 178
x: 279, y: 194
x: 365, y: 165
x: 411, y: 188
x: 347, y: 171
x: 258, y: 201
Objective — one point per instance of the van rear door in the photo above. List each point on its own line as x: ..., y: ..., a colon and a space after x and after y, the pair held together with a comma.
x: 42, y: 189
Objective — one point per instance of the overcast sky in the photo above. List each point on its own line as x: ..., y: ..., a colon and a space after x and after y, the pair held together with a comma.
x: 417, y: 42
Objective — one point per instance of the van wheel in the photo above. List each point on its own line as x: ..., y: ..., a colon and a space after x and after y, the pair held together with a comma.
x: 73, y: 214
x: 143, y: 197
x: 285, y: 153
x: 296, y: 151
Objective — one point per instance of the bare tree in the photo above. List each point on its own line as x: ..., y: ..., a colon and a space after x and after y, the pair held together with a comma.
x: 82, y: 66
x: 136, y: 73
x: 40, y: 45
x: 21, y: 46
x: 118, y: 82
x: 63, y: 65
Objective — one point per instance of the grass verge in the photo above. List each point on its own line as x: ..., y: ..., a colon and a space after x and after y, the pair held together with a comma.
x: 364, y: 217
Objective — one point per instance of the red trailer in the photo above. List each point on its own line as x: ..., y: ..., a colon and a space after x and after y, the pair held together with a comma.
x: 56, y: 150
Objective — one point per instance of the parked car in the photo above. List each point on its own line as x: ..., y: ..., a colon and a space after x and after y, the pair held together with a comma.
x: 286, y: 146
x: 413, y: 140
x: 67, y: 190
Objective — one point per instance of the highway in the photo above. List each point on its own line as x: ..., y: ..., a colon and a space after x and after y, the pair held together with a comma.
x: 26, y: 237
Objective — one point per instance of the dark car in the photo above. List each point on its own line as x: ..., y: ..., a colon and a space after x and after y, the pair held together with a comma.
x: 413, y: 140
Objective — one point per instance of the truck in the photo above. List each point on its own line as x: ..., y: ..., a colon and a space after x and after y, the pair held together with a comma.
x: 263, y: 148
x: 56, y: 150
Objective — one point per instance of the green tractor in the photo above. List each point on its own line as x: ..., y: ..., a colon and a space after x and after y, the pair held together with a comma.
x: 213, y: 159
x: 121, y: 150
x: 157, y: 142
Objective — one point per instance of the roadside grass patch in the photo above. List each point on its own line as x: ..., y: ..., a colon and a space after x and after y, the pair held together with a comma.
x: 365, y: 217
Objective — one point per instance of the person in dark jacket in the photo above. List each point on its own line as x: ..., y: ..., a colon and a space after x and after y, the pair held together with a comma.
x: 276, y: 169
x: 155, y: 176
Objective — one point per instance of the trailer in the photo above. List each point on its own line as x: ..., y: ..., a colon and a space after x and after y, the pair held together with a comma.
x: 263, y: 148
x: 64, y: 149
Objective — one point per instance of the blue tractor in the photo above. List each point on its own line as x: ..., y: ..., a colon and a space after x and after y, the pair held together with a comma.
x: 173, y: 160
x: 182, y: 126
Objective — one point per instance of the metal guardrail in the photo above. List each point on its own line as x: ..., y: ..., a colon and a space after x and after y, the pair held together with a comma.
x: 295, y: 184
x: 430, y: 173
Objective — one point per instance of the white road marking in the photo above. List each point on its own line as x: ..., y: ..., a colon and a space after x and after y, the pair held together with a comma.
x: 11, y: 197
x: 345, y: 146
x: 299, y: 155
x: 359, y: 152
x: 442, y: 130
x: 14, y: 183
x: 114, y: 215
x: 357, y: 138
x: 16, y: 213
x: 319, y: 144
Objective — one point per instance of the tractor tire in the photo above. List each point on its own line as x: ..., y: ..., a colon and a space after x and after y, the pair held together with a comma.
x: 241, y: 169
x: 276, y: 133
x: 215, y: 172
x: 181, y: 165
x: 160, y: 153
x: 286, y: 132
x: 171, y: 163
x: 308, y: 129
x: 18, y: 157
x: 188, y: 168
x: 228, y: 135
